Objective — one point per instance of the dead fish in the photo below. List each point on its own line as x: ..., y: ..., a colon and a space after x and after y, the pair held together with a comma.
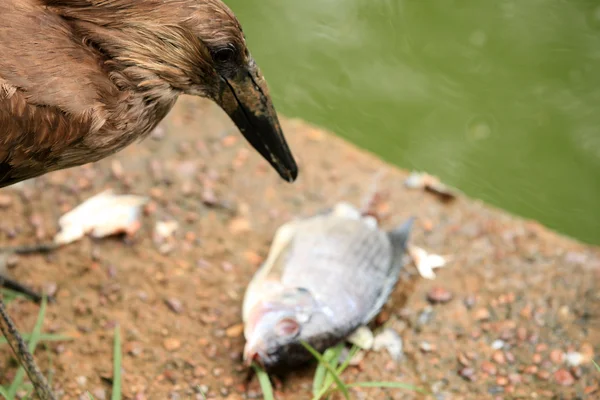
x: 324, y: 277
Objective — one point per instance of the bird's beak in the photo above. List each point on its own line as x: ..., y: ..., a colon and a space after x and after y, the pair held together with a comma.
x: 246, y: 100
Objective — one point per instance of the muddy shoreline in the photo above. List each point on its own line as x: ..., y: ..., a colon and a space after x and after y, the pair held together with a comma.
x: 523, y: 298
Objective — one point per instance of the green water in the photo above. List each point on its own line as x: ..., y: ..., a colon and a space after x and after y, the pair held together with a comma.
x: 499, y: 98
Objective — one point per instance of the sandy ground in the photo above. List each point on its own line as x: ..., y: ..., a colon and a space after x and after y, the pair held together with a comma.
x: 521, y: 297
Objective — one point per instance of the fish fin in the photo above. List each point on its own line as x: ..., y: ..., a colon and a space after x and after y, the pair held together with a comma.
x: 400, y: 236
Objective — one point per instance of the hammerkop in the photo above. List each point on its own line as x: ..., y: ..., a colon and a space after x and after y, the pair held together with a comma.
x: 82, y: 79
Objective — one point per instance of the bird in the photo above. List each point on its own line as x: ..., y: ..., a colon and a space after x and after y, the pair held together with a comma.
x: 325, y: 276
x: 82, y: 79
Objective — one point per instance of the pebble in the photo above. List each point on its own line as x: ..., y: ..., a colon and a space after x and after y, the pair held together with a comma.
x: 99, y: 394
x: 390, y: 340
x: 427, y: 347
x: 171, y: 344
x: 174, y: 305
x: 499, y: 357
x: 488, y: 368
x: 502, y: 381
x: 463, y: 360
x: 200, y: 372
x: 543, y: 375
x: 467, y: 374
x: 482, y: 314
x: 531, y: 369
x: 537, y: 358
x: 564, y: 377
x: 234, y: 331
x: 573, y: 358
x: 439, y: 295
x: 498, y: 344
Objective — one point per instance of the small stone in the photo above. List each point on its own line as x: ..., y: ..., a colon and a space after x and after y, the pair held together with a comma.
x: 574, y: 358
x: 467, y: 374
x: 171, y: 344
x: 427, y: 347
x: 522, y: 333
x: 234, y: 331
x: 174, y: 305
x: 543, y: 375
x: 99, y: 394
x: 439, y: 295
x: 253, y: 258
x: 81, y: 380
x: 556, y: 356
x: 531, y: 369
x: 390, y: 340
x: 537, y: 358
x: 510, y: 357
x: 497, y: 344
x: 170, y: 375
x: 564, y: 377
x: 502, y: 381
x: 482, y: 314
x: 499, y: 357
x: 470, y: 301
x: 488, y: 368
x: 200, y: 372
x: 515, y: 378
x: 239, y: 225
x: 463, y: 360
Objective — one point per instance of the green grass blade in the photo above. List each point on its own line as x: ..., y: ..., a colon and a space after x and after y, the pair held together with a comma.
x: 90, y: 396
x: 116, y: 389
x: 388, y: 385
x: 351, y: 354
x: 322, y: 378
x: 265, y: 382
x: 33, y: 341
x: 44, y: 337
x: 4, y: 393
x: 341, y: 386
x: 597, y: 366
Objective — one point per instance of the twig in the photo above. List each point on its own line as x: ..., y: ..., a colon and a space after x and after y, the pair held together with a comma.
x: 30, y: 248
x: 25, y: 358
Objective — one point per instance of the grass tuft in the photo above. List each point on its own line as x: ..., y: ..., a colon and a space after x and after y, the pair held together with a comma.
x: 328, y: 373
x: 10, y: 392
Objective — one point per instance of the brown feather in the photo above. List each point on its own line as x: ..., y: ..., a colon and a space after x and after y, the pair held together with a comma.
x: 81, y: 79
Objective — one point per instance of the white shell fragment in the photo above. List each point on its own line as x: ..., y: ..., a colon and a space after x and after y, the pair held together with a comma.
x: 99, y: 216
x: 426, y: 262
x: 164, y: 235
x: 390, y: 340
x: 362, y: 338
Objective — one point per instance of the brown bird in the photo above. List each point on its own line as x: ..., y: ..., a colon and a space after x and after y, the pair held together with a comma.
x: 82, y: 79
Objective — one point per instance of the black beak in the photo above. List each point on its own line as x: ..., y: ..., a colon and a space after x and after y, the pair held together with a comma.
x: 246, y: 100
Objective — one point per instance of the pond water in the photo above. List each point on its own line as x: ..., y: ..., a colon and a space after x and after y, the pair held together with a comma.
x: 500, y: 99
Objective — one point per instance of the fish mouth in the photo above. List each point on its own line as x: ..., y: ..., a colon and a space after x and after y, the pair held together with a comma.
x: 245, y: 98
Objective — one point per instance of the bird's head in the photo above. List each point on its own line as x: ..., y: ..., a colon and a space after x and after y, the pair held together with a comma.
x: 193, y: 47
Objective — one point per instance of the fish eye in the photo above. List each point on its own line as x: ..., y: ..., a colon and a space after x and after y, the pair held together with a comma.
x: 287, y: 328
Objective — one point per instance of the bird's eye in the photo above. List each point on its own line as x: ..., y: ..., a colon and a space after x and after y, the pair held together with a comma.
x: 224, y: 55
